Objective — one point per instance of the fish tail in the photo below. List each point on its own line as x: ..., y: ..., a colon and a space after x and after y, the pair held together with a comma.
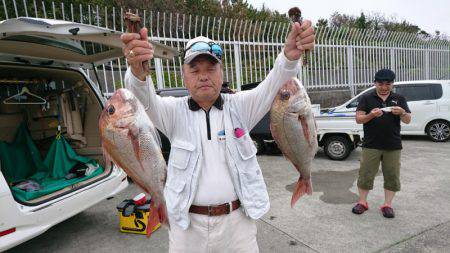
x: 158, y: 214
x: 303, y: 187
x: 152, y: 221
x: 162, y: 214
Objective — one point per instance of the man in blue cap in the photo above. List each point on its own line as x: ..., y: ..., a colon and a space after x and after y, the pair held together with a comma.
x: 381, y: 112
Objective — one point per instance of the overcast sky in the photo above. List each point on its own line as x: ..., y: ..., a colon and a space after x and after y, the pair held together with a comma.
x: 429, y: 15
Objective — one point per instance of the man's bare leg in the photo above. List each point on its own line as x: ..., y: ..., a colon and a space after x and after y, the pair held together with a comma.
x: 363, y: 195
x: 388, y: 197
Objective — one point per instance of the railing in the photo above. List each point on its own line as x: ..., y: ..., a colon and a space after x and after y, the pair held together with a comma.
x: 343, y: 58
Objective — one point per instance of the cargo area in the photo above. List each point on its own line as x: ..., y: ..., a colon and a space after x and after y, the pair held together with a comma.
x: 49, y: 140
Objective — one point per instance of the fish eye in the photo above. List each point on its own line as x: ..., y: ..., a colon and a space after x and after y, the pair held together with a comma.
x: 111, y: 110
x: 285, y: 95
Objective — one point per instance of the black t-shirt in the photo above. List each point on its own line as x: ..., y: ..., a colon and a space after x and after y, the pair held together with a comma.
x: 382, y: 132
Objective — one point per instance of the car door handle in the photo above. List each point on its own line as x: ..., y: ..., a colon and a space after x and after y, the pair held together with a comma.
x: 428, y: 103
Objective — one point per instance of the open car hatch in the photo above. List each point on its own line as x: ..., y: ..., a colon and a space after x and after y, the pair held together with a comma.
x: 64, y: 41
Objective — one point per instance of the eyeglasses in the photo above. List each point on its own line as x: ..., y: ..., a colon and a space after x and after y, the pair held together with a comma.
x: 202, y: 46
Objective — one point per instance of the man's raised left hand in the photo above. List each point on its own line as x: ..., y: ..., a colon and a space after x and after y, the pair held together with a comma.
x: 299, y: 39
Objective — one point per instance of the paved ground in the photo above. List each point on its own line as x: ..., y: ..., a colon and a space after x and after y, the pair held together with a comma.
x: 322, y: 222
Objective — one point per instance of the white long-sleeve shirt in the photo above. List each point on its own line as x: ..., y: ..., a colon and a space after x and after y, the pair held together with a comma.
x: 215, y: 184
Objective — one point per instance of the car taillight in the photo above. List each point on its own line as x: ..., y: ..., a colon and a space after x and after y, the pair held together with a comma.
x: 9, y: 231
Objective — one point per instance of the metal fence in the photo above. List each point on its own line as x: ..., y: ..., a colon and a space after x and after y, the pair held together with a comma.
x: 343, y: 58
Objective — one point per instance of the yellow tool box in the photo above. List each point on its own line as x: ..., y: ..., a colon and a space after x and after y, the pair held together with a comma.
x: 134, y: 218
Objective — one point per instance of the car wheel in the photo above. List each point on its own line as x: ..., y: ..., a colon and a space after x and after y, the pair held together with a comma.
x: 438, y: 131
x: 337, y: 147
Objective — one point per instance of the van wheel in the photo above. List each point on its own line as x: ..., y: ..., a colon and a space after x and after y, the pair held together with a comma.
x: 438, y: 130
x: 337, y: 147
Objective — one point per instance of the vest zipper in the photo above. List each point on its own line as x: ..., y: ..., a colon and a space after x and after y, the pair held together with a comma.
x: 208, y: 127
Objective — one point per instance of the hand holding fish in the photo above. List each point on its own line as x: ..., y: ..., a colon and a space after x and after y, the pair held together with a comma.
x: 137, y: 49
x: 300, y: 38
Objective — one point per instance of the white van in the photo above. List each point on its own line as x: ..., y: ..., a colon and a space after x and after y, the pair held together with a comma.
x: 429, y: 102
x: 47, y: 100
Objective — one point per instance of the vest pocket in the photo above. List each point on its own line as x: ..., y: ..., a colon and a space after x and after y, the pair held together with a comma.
x: 180, y: 153
x: 176, y: 184
x: 245, y: 146
x: 253, y: 187
x: 179, y: 174
x: 176, y: 191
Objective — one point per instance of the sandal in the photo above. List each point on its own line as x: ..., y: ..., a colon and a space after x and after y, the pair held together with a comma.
x: 387, y: 211
x: 360, y: 208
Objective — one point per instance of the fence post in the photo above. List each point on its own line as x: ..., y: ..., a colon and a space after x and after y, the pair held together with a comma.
x: 427, y: 64
x: 392, y: 66
x: 238, y: 66
x: 159, y: 73
x: 351, y: 82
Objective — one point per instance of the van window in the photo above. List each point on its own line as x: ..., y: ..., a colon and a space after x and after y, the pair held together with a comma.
x: 417, y: 92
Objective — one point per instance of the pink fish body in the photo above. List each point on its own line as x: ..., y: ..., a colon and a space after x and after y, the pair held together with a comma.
x: 130, y: 140
x: 293, y: 127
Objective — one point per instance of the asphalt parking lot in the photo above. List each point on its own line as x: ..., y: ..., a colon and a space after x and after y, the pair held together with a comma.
x: 322, y: 222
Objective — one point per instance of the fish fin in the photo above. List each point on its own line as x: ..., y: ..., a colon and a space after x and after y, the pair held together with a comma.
x: 106, y: 156
x: 156, y: 136
x: 274, y: 133
x: 133, y: 134
x: 305, y: 127
x: 302, y: 187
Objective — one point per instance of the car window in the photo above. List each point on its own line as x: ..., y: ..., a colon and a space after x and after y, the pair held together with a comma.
x: 354, y: 103
x: 437, y: 90
x: 417, y: 92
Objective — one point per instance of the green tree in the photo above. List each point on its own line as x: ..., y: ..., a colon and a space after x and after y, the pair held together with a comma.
x: 321, y: 22
x: 361, y: 22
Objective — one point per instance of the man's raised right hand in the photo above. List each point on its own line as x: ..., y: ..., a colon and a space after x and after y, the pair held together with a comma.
x: 137, y: 50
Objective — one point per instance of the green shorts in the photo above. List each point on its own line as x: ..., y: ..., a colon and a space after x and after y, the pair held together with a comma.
x: 390, y: 165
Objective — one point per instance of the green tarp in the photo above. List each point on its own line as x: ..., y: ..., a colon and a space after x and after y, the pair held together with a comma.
x: 50, y: 185
x: 20, y: 160
x: 61, y: 158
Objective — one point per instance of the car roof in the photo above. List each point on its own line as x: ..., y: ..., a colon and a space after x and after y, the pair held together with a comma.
x: 422, y: 82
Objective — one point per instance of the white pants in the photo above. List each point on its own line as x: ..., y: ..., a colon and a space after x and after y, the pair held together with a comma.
x: 234, y: 232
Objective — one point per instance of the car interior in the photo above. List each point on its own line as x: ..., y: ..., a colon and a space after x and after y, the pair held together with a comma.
x: 49, y: 140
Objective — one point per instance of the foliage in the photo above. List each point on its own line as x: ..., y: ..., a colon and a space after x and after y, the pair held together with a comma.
x: 374, y: 21
x: 237, y: 9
